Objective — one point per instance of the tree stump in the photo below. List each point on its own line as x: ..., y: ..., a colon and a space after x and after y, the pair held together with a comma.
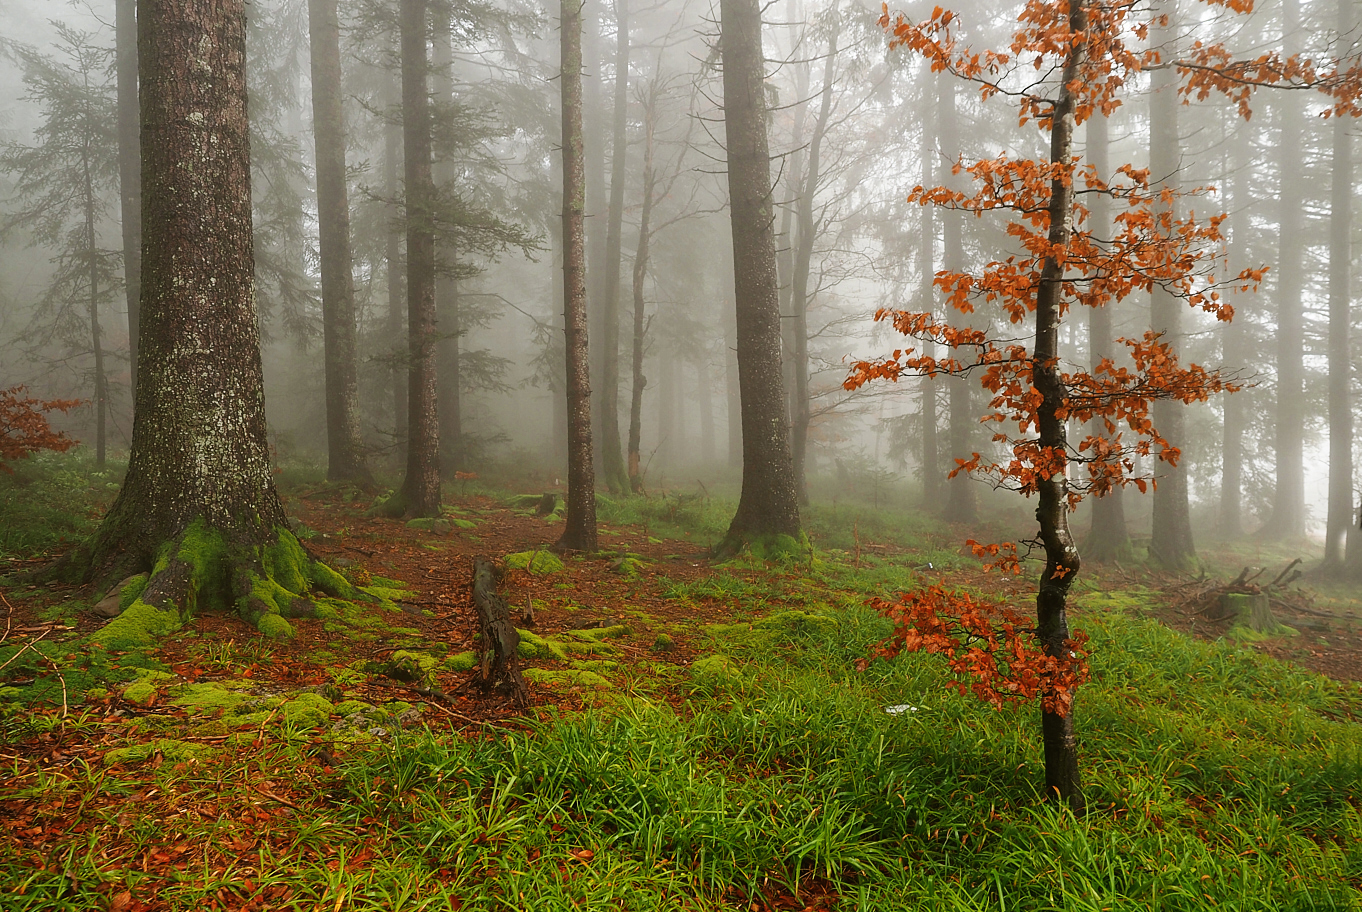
x: 547, y: 503
x: 1251, y: 609
x: 500, y: 666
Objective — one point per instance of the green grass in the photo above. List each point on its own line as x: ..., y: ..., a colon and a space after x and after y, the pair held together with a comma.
x: 1216, y: 778
x: 52, y: 500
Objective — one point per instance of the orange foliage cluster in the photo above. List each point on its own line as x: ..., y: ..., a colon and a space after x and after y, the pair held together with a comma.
x: 24, y: 429
x: 987, y: 645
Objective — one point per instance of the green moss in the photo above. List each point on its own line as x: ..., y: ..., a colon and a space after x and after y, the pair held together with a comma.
x: 132, y: 591
x: 140, y: 624
x: 170, y: 749
x: 461, y: 662
x: 597, y: 634
x: 307, y: 710
x: 411, y: 667
x: 140, y: 693
x: 211, y: 698
x: 286, y: 563
x: 533, y: 646
x: 536, y: 562
x: 567, y: 677
x: 347, y: 708
x: 463, y: 523
x: 798, y: 624
x: 663, y: 643
x: 429, y: 524
x: 715, y: 671
x: 275, y: 627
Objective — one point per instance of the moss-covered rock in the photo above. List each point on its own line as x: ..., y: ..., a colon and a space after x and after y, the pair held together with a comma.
x: 461, y: 662
x: 536, y: 562
x: 715, y: 671
x: 169, y: 748
x: 533, y: 646
x: 429, y: 524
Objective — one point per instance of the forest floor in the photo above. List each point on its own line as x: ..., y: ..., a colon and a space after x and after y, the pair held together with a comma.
x: 358, y: 766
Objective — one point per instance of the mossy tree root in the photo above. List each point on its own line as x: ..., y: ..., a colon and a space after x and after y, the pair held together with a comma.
x: 203, y: 569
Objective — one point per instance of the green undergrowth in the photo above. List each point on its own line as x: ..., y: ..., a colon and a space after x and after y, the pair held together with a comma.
x: 52, y: 500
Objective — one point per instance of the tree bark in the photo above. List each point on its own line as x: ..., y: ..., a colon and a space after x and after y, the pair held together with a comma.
x: 1170, y: 544
x: 198, y: 507
x: 768, y: 505
x: 580, y: 531
x: 345, y: 450
x: 616, y: 476
x: 1061, y: 554
x: 500, y: 666
x: 1108, y: 538
x: 129, y: 169
x: 420, y: 493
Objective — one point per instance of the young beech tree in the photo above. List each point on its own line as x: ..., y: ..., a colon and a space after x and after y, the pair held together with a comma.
x: 1066, y: 62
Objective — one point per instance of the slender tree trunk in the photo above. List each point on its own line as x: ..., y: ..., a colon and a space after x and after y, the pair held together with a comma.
x: 785, y: 237
x: 1061, y: 554
x: 639, y: 382
x: 396, y: 288
x: 96, y: 335
x: 595, y: 124
x: 1340, y: 532
x: 345, y: 450
x: 580, y: 531
x: 1234, y: 344
x: 768, y: 505
x: 129, y: 169
x: 198, y: 504
x: 1288, y: 503
x: 732, y: 386
x: 801, y: 412
x: 420, y: 494
x: 931, y: 388
x: 704, y: 399
x: 448, y: 356
x: 962, y: 504
x: 613, y: 466
x: 1108, y: 538
x: 1170, y: 544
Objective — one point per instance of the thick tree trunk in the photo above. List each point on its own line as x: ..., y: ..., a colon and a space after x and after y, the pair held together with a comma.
x: 616, y: 476
x: 1170, y: 544
x: 1061, y: 555
x: 345, y: 450
x: 801, y: 412
x: 420, y: 493
x: 962, y: 503
x: 580, y: 531
x: 198, y: 507
x: 449, y: 357
x: 768, y: 505
x: 129, y: 169
x: 1108, y: 538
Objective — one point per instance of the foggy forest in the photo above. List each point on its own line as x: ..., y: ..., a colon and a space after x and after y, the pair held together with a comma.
x: 484, y: 454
